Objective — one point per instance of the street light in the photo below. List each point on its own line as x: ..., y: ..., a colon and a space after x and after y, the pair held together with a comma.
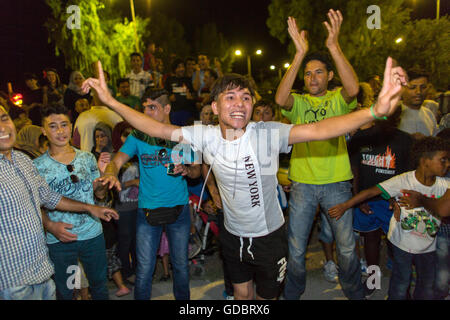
x: 272, y: 67
x: 286, y: 65
x: 249, y: 60
x: 136, y: 41
x: 398, y: 40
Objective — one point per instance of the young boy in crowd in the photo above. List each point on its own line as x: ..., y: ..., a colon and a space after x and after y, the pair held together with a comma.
x: 413, y: 234
x: 71, y: 172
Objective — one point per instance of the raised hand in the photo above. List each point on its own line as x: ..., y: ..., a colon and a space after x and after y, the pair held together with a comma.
x: 394, y: 78
x: 98, y: 84
x: 299, y: 38
x: 335, y: 18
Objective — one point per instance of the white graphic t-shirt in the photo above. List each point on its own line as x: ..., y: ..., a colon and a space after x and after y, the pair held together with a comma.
x: 245, y: 170
x: 417, y: 229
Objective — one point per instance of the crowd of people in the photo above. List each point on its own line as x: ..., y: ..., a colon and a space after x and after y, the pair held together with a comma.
x: 97, y: 176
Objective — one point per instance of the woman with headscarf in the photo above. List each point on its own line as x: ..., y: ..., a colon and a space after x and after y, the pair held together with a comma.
x: 53, y: 88
x: 74, y: 92
x: 102, y: 150
x: 126, y: 203
x: 28, y: 141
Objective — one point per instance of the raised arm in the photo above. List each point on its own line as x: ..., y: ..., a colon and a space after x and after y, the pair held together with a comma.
x: 283, y: 95
x: 138, y: 120
x: 387, y: 102
x: 344, y: 68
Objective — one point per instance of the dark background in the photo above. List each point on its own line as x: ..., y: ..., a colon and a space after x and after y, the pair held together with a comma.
x: 24, y: 46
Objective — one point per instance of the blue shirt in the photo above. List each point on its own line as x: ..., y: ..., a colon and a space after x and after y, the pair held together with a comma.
x: 24, y: 258
x: 156, y: 187
x: 58, y: 178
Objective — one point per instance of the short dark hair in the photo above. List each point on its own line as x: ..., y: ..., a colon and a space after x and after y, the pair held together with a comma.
x: 53, y: 108
x: 120, y: 80
x: 189, y: 59
x: 319, y: 56
x: 416, y: 73
x: 231, y: 81
x: 427, y: 148
x: 154, y: 94
x: 175, y: 64
x: 265, y: 103
x: 30, y: 76
x: 135, y: 54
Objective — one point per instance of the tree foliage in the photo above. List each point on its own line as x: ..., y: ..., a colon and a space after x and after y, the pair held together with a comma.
x: 213, y: 43
x: 425, y: 42
x: 101, y: 37
x: 168, y: 34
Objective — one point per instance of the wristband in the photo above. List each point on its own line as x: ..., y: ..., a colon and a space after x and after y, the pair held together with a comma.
x: 373, y: 114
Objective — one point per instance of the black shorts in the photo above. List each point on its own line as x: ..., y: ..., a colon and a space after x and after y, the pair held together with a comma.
x: 261, y: 259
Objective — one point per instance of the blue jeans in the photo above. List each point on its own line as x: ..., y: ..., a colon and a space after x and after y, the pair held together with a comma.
x: 303, y: 202
x: 402, y: 270
x: 442, y: 278
x: 41, y: 291
x: 147, y: 243
x: 92, y: 255
x: 326, y: 234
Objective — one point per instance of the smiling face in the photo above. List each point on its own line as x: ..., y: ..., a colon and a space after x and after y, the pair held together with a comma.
x: 316, y: 78
x: 203, y: 62
x: 7, y: 133
x: 58, y: 129
x: 51, y: 76
x: 234, y: 108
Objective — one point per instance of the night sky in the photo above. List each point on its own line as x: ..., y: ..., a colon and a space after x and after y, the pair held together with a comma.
x: 24, y: 47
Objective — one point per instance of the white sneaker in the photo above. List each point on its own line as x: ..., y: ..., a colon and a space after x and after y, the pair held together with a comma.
x: 330, y: 271
x: 363, y: 263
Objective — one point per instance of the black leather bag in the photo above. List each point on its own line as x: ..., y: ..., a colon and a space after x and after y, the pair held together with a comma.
x: 162, y: 215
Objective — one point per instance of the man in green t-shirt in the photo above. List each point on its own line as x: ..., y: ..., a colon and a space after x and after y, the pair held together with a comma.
x: 320, y: 170
x: 125, y: 96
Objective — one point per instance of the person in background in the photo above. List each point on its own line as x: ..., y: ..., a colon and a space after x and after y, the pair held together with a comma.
x: 124, y: 95
x: 28, y: 141
x: 73, y: 93
x: 53, y: 88
x: 126, y: 204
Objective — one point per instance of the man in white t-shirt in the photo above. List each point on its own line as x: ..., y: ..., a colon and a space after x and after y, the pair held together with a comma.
x: 244, y: 159
x: 139, y: 79
x: 83, y: 133
x: 415, y: 118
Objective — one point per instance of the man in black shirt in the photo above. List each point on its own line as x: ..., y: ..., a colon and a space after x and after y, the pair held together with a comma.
x: 180, y: 92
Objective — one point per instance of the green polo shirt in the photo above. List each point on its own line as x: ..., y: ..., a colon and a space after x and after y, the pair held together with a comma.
x: 319, y: 162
